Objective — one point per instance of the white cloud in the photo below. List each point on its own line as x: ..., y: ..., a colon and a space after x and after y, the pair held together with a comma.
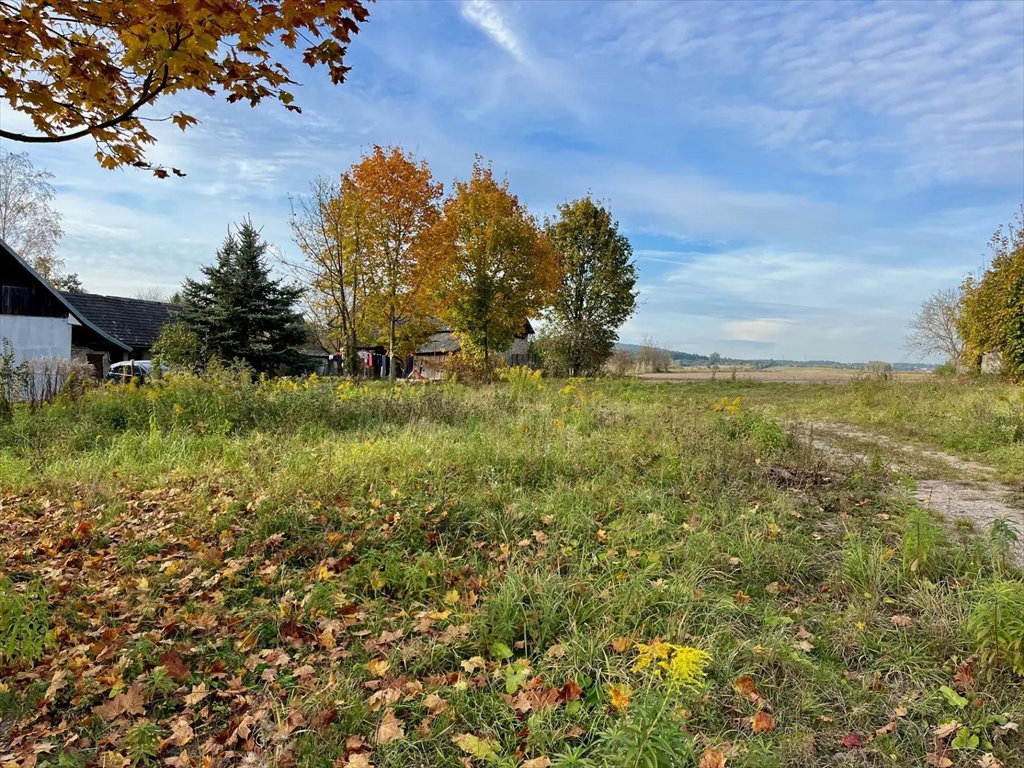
x: 762, y: 329
x: 485, y: 15
x: 940, y: 85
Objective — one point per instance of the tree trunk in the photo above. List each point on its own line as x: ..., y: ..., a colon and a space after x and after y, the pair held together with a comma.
x: 392, y: 373
x: 352, y: 354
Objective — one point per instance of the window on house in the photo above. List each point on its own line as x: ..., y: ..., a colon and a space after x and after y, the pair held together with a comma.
x: 14, y: 300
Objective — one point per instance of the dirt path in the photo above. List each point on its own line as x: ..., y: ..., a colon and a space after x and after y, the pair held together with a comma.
x: 972, y: 495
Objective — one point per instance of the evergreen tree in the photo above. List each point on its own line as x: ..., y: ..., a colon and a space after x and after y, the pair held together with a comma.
x: 239, y: 312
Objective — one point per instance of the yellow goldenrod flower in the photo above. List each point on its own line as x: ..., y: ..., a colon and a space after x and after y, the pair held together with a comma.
x: 686, y: 668
x: 679, y: 665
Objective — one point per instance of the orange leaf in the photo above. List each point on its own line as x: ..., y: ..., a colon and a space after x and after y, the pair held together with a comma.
x: 712, y: 758
x: 762, y: 722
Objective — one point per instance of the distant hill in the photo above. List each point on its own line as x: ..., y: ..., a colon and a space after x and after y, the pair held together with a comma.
x: 689, y: 358
x: 683, y: 357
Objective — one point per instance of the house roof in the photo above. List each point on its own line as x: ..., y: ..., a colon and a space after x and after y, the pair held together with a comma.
x: 135, y: 322
x: 75, y: 313
x: 440, y: 343
x: 445, y: 341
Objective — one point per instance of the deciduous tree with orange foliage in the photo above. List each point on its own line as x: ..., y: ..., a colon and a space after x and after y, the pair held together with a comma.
x: 400, y: 204
x: 82, y: 68
x: 492, y: 265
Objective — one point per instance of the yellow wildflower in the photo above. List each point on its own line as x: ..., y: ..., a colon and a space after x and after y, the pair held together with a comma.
x: 648, y: 654
x: 679, y: 665
x: 686, y: 668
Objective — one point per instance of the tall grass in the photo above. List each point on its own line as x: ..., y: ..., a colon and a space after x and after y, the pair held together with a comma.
x: 517, y: 539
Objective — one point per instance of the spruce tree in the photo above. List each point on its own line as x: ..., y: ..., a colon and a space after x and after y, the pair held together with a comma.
x: 240, y: 312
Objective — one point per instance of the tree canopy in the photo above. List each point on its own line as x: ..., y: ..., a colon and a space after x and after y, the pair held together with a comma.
x: 328, y: 227
x: 992, y: 312
x: 492, y: 266
x: 398, y: 199
x: 595, y: 294
x: 239, y: 312
x: 29, y: 222
x: 82, y: 68
x: 933, y: 329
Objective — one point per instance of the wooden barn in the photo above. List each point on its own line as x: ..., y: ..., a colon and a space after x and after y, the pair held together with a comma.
x: 430, y: 356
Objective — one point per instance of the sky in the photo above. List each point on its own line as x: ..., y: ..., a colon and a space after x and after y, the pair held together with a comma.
x: 795, y: 178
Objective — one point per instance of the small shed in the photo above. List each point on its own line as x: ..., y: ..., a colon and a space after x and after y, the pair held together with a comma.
x: 431, y: 355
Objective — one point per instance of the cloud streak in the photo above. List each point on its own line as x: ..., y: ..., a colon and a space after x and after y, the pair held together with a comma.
x: 485, y: 15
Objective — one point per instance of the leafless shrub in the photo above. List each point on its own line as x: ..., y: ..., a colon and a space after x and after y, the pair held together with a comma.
x: 621, y: 362
x: 652, y: 359
x: 45, y: 378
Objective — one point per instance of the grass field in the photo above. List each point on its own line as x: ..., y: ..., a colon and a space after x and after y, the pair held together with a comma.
x: 221, y: 572
x: 980, y: 420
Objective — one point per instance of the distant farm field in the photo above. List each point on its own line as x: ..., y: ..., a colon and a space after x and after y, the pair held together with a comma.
x: 792, y: 375
x: 535, y: 574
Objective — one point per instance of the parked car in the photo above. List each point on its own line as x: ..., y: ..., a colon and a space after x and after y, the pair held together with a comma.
x: 140, y: 370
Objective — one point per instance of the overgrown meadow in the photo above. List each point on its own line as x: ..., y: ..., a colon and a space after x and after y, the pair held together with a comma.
x: 218, y: 571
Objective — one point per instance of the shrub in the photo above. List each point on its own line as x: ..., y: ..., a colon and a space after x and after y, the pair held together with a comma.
x: 24, y: 624
x: 47, y: 378
x: 922, y: 542
x: 996, y: 624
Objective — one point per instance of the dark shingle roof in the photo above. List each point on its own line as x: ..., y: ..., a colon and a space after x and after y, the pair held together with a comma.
x: 136, y: 322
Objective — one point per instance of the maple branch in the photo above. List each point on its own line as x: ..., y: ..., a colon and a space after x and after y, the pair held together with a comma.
x: 147, y: 95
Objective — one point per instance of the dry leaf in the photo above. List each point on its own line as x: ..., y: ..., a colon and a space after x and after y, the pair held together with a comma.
x: 60, y: 678
x: 390, y: 729
x: 435, y: 704
x: 199, y: 692
x: 131, y: 702
x: 1001, y: 730
x: 712, y: 758
x: 762, y: 722
x: 537, y: 762
x: 887, y: 728
x: 946, y: 730
x: 901, y: 620
x: 622, y: 644
x: 852, y: 740
x: 745, y: 687
x: 181, y: 732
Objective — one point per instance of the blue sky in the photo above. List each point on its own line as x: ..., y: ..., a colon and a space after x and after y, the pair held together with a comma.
x: 794, y: 178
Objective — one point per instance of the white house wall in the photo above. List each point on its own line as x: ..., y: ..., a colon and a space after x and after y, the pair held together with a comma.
x: 35, y: 337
